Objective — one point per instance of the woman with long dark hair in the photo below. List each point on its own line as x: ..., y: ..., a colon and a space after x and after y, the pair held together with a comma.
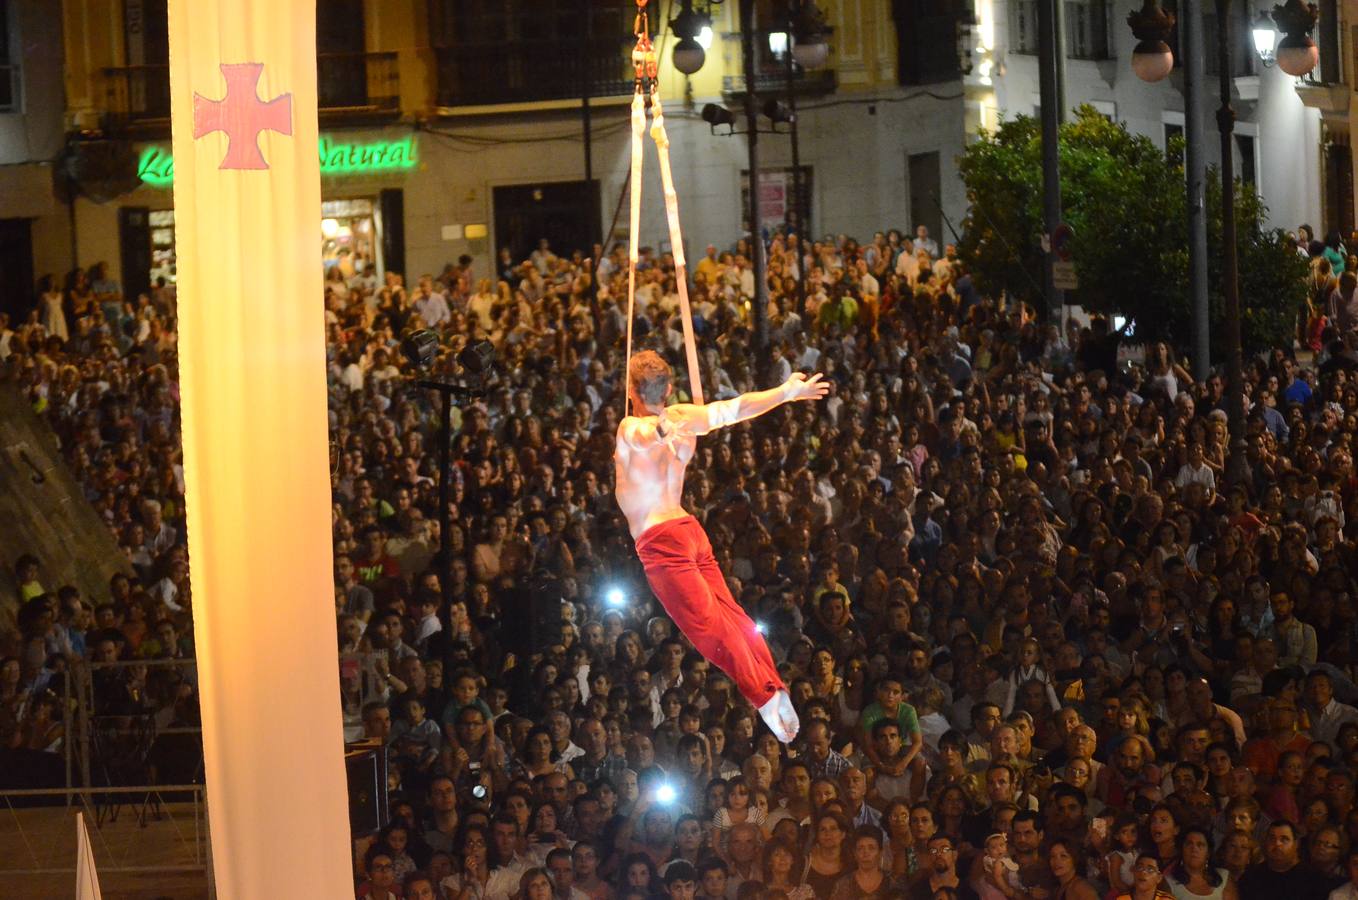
x: 1066, y: 861
x: 1193, y: 876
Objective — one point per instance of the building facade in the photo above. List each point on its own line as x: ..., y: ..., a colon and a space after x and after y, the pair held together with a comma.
x: 454, y: 127
x: 1291, y: 135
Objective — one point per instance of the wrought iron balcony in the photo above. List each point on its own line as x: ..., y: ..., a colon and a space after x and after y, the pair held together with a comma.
x: 358, y: 84
x: 770, y: 84
x: 485, y: 73
x: 137, y: 97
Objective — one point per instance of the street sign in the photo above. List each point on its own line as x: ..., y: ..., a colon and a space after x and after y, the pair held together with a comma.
x: 1060, y: 241
x: 1063, y: 275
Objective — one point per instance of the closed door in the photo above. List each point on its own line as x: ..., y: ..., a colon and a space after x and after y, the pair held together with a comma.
x: 16, y: 268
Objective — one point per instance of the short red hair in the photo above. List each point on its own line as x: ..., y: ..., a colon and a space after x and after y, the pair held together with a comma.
x: 650, y: 376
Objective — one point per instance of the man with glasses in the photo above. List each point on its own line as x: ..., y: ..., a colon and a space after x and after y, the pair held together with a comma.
x: 939, y: 872
x: 440, y: 830
x: 476, y: 749
x: 381, y: 875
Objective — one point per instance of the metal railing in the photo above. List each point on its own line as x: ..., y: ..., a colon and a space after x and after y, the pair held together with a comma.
x: 358, y: 82
x: 131, y: 758
x: 137, y: 95
x: 485, y: 73
x: 169, y: 835
x: 1087, y: 35
x: 809, y: 84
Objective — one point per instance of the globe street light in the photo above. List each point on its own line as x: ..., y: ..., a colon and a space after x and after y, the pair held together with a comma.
x: 1152, y: 59
x: 694, y: 30
x: 810, y: 48
x: 1297, y: 53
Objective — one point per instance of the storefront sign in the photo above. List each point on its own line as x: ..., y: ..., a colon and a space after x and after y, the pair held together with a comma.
x: 156, y: 165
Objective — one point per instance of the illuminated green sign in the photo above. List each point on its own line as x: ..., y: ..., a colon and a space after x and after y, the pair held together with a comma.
x: 156, y: 165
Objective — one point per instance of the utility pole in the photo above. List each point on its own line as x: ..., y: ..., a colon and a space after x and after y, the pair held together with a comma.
x: 797, y: 221
x: 1051, y: 91
x: 586, y: 126
x: 1195, y: 170
x: 1230, y: 276
x: 758, y: 262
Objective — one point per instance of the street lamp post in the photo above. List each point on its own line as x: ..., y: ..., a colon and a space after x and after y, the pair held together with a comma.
x: 808, y: 49
x: 757, y: 261
x: 1152, y: 61
x: 796, y: 222
x: 1230, y: 275
x: 1051, y: 91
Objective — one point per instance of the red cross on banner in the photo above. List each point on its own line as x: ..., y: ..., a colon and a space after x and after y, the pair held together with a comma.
x: 247, y: 208
x: 242, y: 115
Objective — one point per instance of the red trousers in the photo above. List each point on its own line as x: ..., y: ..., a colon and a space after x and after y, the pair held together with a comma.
x: 684, y: 575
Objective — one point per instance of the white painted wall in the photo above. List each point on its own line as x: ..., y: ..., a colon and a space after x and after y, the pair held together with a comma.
x: 34, y: 132
x: 1288, y: 154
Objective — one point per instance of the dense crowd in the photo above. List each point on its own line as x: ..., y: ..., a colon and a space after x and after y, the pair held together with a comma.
x: 1041, y: 645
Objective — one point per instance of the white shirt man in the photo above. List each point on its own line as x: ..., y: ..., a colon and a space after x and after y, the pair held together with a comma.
x: 924, y: 242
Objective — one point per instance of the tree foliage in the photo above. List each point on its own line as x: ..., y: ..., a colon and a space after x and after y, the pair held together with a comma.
x: 1126, y: 202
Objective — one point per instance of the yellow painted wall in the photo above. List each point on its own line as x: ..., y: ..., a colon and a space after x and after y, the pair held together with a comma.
x: 863, y: 46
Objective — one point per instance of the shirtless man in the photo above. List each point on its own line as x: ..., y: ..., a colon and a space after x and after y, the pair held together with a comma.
x: 652, y: 451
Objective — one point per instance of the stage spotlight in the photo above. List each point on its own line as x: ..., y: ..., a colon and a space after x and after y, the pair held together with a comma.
x: 716, y: 115
x: 478, y: 358
x: 777, y: 111
x: 421, y: 348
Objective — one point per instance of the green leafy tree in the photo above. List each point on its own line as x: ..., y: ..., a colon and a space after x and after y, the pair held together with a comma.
x: 1124, y: 198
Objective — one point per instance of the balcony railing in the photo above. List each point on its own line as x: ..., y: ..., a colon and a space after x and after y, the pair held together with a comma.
x: 1086, y: 28
x: 9, y: 88
x: 1330, y: 69
x: 809, y: 84
x: 480, y: 74
x: 138, y: 95
x: 358, y: 83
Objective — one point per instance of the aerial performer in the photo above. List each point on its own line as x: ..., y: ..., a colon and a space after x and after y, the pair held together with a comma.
x: 656, y: 442
x: 653, y: 450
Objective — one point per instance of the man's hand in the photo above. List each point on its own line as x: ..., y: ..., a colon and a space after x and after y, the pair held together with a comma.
x: 799, y: 387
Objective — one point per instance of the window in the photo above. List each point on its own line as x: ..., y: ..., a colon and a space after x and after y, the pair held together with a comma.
x: 341, y: 69
x: 493, y: 51
x: 1245, y: 159
x: 9, y: 70
x: 141, y: 87
x: 1086, y: 28
x: 927, y: 33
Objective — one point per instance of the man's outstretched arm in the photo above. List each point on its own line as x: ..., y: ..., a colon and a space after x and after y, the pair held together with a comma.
x: 688, y: 418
